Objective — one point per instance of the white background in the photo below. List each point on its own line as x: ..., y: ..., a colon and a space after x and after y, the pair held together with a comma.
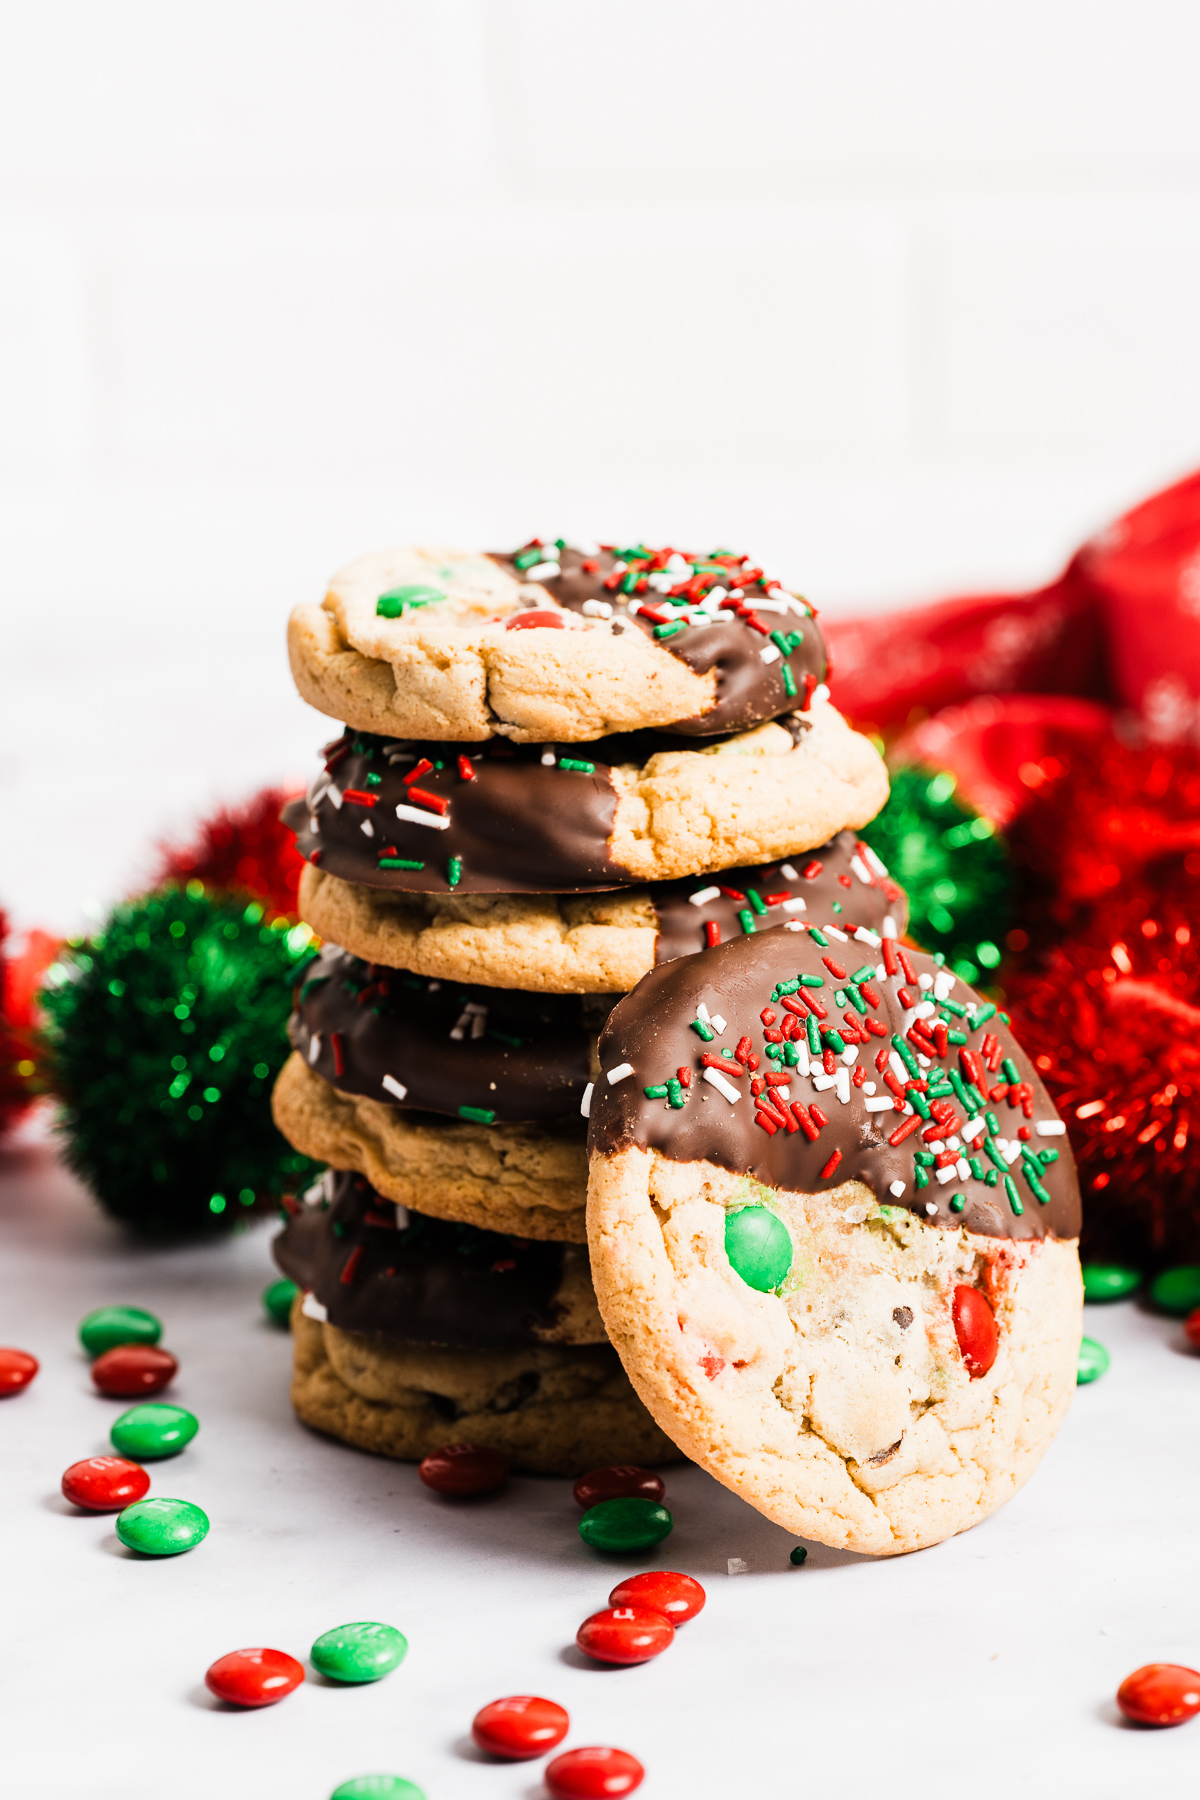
x: 901, y: 298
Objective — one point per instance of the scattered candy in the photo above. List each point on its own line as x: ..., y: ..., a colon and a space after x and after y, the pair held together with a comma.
x: 162, y: 1527
x: 759, y: 1246
x: 625, y: 1634
x: 104, y: 1483
x: 677, y: 1597
x: 360, y: 1652
x: 975, y: 1328
x: 111, y: 1325
x: 519, y: 1727
x: 1176, y: 1291
x: 463, y: 1469
x: 596, y: 1773
x: 623, y: 1481
x: 130, y: 1369
x: 798, y: 1557
x: 277, y: 1300
x: 148, y: 1433
x: 1191, y: 1329
x: 254, y: 1677
x: 378, y: 1787
x: 1093, y: 1361
x: 625, y: 1525
x: 1160, y: 1694
x: 17, y: 1370
x: 1103, y: 1282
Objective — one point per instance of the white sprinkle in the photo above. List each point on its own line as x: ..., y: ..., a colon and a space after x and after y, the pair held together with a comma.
x: 793, y: 925
x: 926, y: 1010
x: 434, y: 987
x: 923, y: 1062
x: 823, y: 1081
x: 314, y: 825
x: 772, y: 606
x: 367, y: 828
x: 544, y: 571
x: 783, y: 1093
x: 943, y: 981
x: 804, y: 1066
x: 953, y: 1143
x: 925, y: 981
x: 963, y: 1167
x: 548, y: 759
x: 479, y: 1023
x: 702, y: 1012
x: 394, y: 1087
x: 439, y: 821
x: 597, y: 609
x: 850, y: 1055
x: 947, y: 1174
x: 311, y: 1307
x: 704, y: 895
x: 314, y: 1046
x: 583, y: 547
x: 821, y: 692
x: 898, y: 1069
x: 937, y: 1145
x: 661, y: 582
x: 881, y: 1104
x: 860, y: 869
x: 717, y: 1023
x: 334, y: 795
x: 620, y: 1073
x: 974, y: 1128
x: 868, y: 937
x: 736, y: 1566
x: 869, y: 1087
x: 896, y: 1188
x: 842, y: 1080
x: 585, y: 1105
x: 839, y: 935
x: 320, y: 788
x: 879, y: 867
x: 397, y: 756
x: 715, y: 1079
x: 1050, y: 1128
x: 856, y: 1212
x: 1011, y: 1153
x: 796, y: 904
x: 788, y: 872
x: 931, y: 1205
x: 768, y: 654
x: 889, y: 927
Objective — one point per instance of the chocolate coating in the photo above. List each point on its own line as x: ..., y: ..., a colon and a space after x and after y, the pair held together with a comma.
x: 520, y: 1057
x: 748, y: 690
x: 417, y: 1280
x: 652, y: 1029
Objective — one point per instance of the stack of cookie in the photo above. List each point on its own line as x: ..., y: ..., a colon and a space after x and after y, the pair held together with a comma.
x: 559, y: 768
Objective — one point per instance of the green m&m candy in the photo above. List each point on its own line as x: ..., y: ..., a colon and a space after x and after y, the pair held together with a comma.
x: 378, y: 1787
x: 1176, y: 1291
x: 149, y: 1432
x: 620, y: 1525
x: 277, y: 1300
x: 1093, y: 1361
x: 109, y: 1326
x: 1109, y: 1281
x: 162, y: 1527
x: 361, y: 1652
x: 397, y: 601
x: 759, y: 1247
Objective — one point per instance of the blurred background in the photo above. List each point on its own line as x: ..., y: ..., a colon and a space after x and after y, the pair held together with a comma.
x: 902, y: 300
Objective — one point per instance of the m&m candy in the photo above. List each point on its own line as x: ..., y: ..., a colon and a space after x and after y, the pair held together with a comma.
x: 128, y: 1370
x: 112, y: 1325
x: 1176, y: 1291
x: 254, y: 1677
x: 623, y: 1481
x: 625, y: 1634
x: 1105, y: 1282
x: 1093, y: 1361
x: 975, y: 1329
x: 1191, y: 1329
x: 623, y: 1525
x: 678, y: 1597
x: 1160, y: 1694
x: 361, y: 1652
x: 149, y: 1433
x: 17, y: 1370
x: 596, y: 1773
x: 277, y: 1300
x: 377, y: 1787
x: 519, y: 1727
x: 104, y: 1483
x: 463, y: 1469
x: 162, y: 1527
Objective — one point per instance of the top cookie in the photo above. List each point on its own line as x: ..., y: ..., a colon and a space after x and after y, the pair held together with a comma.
x: 554, y: 642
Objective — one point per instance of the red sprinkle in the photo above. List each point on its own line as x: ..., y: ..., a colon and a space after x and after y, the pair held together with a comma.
x: 818, y: 1115
x: 761, y: 1118
x: 805, y: 1121
x: 17, y: 1370
x: 521, y: 1726
x: 357, y: 797
x: 350, y: 1268
x: 424, y: 798
x: 466, y: 768
x: 418, y: 769
x: 339, y: 1060
x: 726, y: 1064
x: 105, y: 1483
x: 743, y: 1048
x: 594, y: 1773
x: 874, y: 1027
x: 733, y: 894
x: 831, y: 1166
x: 462, y: 1470
x: 811, y: 870
x: 625, y: 1634
x: 1160, y: 1694
x: 621, y: 1481
x: 859, y: 1075
x: 835, y: 968
x: 767, y: 1016
x: 685, y: 1077
x: 889, y: 956
x: 810, y: 685
x: 254, y: 1677
x: 712, y: 934
x: 776, y: 899
x: 910, y: 974
x: 677, y: 1596
x: 905, y: 1129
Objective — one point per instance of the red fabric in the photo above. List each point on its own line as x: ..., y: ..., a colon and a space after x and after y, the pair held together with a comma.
x: 1004, y: 748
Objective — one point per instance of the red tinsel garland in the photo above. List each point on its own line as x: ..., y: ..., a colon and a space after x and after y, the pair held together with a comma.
x: 243, y: 848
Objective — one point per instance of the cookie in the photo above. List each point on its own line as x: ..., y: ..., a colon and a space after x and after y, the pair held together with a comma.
x: 371, y: 1267
x: 551, y: 1410
x: 841, y: 1278
x: 422, y: 817
x: 550, y: 643
x: 420, y: 1045
x: 528, y: 1180
x: 602, y: 943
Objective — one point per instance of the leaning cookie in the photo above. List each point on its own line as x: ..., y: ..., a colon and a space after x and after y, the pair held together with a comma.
x: 554, y: 643
x: 601, y: 943
x: 419, y: 817
x: 833, y: 1222
x: 529, y: 1179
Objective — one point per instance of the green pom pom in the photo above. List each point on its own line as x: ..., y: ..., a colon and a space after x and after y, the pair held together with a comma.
x: 953, y: 867
x: 167, y: 1030
x: 758, y: 1246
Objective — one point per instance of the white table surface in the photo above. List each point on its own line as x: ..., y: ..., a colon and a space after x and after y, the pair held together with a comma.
x: 985, y: 1667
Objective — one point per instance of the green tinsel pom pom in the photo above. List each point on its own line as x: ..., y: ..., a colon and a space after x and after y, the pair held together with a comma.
x: 953, y: 867
x: 167, y: 1030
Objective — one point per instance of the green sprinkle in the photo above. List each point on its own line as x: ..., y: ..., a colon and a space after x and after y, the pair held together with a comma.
x: 906, y: 1056
x: 506, y: 1037
x: 866, y: 973
x: 657, y: 1091
x: 991, y: 1177
x: 818, y: 937
x: 981, y: 1014
x: 1010, y: 1070
x: 454, y: 875
x: 397, y: 601
x: 921, y: 1177
x: 726, y: 1051
x: 938, y: 1090
x: 993, y: 1150
x: 1093, y: 1361
x: 837, y: 906
x: 1032, y: 1172
x: 1014, y: 1199
x: 814, y: 1035
x: 374, y: 780
x: 977, y: 1168
x: 813, y: 981
x: 856, y: 1000
x: 309, y: 986
x: 671, y: 630
x: 756, y: 901
x: 839, y: 997
x: 577, y: 767
x: 477, y: 1115
x: 1045, y: 1157
x: 675, y: 1092
x: 956, y: 1037
x: 835, y: 1040
x: 775, y: 1052
x: 789, y: 682
x: 958, y: 1202
x: 704, y: 1031
x: 919, y: 1103
x: 992, y: 1123
x: 399, y: 862
x: 746, y: 921
x: 791, y: 1054
x: 1005, y: 1018
x: 527, y: 559
x: 926, y: 1158
x: 967, y: 1096
x: 781, y: 643
x: 789, y: 987
x: 952, y: 1006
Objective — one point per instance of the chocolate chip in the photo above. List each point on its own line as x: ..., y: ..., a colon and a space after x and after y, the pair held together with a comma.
x: 903, y: 1315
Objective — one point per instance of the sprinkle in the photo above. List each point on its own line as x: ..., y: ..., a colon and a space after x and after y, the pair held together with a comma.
x: 454, y: 870
x: 1010, y: 1070
x: 417, y: 817
x: 703, y: 1031
x: 350, y: 1267
x: 421, y: 768
x: 704, y: 895
x: 974, y: 1128
x: 860, y: 869
x: 620, y: 1073
x: 357, y: 797
x: 712, y: 934
x: 818, y: 937
x: 339, y: 1061
x: 1050, y: 1128
x: 891, y: 966
x: 466, y: 768
x: 905, y: 1130
x: 718, y: 1023
x: 684, y: 1075
x: 835, y: 968
x: 717, y: 1080
x: 920, y: 1178
x: 314, y: 1046
x: 769, y: 653
x: 1014, y: 1199
x: 477, y: 1115
x: 746, y: 921
x: 702, y: 1012
x: 398, y: 862
x: 548, y: 759
x: 842, y: 1080
x: 575, y: 766
x: 656, y: 1091
x: 946, y: 1173
x: 756, y: 901
x: 585, y: 1105
x: 434, y: 802
x: 767, y: 1123
x: 810, y: 682
x: 881, y: 1103
x: 789, y: 682
x: 805, y: 1120
x: 910, y: 974
x: 726, y: 1062
x: 831, y: 1166
x: 896, y: 1188
x: 394, y: 1087
x: 675, y: 1093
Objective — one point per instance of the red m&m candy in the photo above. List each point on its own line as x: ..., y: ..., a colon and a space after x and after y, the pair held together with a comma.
x: 593, y: 1774
x: 1160, y: 1694
x: 130, y: 1370
x: 17, y: 1370
x: 520, y: 1727
x: 528, y: 621
x: 623, y: 1481
x: 254, y: 1677
x: 105, y: 1483
x: 677, y: 1596
x: 463, y: 1469
x: 1191, y: 1329
x: 625, y: 1634
x: 975, y: 1328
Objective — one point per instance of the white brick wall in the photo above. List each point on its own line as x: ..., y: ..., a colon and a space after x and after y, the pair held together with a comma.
x: 902, y: 298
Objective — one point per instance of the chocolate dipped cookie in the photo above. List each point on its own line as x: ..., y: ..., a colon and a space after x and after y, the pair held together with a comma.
x: 833, y: 1220
x: 430, y: 818
x: 555, y: 642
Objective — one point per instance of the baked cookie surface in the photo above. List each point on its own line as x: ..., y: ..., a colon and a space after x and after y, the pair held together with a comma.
x: 554, y: 642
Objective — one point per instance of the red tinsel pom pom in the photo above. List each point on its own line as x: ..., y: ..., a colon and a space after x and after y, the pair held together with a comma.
x: 22, y: 1078
x: 242, y: 848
